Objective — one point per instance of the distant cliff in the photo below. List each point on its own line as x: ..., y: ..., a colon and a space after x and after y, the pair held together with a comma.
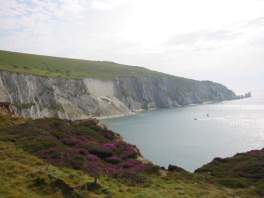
x: 39, y: 96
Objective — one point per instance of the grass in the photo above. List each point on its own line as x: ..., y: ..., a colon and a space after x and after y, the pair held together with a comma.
x: 23, y: 175
x: 244, y: 170
x: 25, y: 170
x: 70, y: 68
x: 6, y: 120
x: 24, y: 105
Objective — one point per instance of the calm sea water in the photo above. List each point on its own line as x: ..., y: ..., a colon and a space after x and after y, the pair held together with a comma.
x: 172, y: 136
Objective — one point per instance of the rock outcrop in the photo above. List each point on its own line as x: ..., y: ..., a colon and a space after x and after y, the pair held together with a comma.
x: 37, y: 96
x: 246, y: 95
x: 6, y: 109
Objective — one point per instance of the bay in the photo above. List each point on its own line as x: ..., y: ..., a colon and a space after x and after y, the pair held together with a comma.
x: 173, y: 136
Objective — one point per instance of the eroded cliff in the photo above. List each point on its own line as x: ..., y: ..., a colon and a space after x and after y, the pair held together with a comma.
x: 37, y: 96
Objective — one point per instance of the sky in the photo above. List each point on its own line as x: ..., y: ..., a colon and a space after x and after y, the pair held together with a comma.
x: 217, y: 40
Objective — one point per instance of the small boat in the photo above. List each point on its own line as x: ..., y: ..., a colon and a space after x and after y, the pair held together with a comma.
x: 195, y: 118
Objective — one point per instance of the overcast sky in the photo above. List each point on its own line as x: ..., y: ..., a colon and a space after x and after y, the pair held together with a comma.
x: 217, y: 40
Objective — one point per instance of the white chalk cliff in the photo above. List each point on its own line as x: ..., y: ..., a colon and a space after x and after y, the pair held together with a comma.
x: 37, y: 96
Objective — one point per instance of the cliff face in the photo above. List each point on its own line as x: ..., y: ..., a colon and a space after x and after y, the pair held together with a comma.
x: 37, y: 96
x: 6, y: 109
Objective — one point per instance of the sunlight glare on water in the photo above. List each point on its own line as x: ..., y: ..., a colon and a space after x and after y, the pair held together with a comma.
x: 172, y: 136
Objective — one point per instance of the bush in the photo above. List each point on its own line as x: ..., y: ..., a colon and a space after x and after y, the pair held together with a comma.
x: 232, y: 183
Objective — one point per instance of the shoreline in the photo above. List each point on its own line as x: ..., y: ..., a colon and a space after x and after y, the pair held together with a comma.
x: 139, y: 110
x: 119, y: 116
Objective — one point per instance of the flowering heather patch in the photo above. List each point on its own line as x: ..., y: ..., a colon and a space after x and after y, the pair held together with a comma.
x: 85, y: 137
x: 77, y: 145
x: 92, y: 157
x: 69, y: 157
x: 88, y: 145
x: 139, y: 167
x: 95, y: 169
x: 129, y: 153
x: 113, y: 160
x: 239, y: 171
x: 125, y: 150
x: 109, y: 146
x: 53, y: 154
x: 259, y: 152
x: 77, y: 151
x: 108, y: 134
x: 72, y: 142
x: 101, y: 152
x: 133, y: 165
x: 129, y: 164
x: 89, y: 122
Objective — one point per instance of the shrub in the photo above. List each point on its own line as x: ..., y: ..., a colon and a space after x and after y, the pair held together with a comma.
x: 125, y: 150
x: 232, y: 183
x: 113, y: 160
x: 59, y: 134
x: 85, y: 137
x: 92, y: 157
x: 109, y: 146
x: 53, y: 155
x: 108, y: 134
x: 72, y: 142
x: 24, y: 105
x: 38, y: 144
x: 174, y: 168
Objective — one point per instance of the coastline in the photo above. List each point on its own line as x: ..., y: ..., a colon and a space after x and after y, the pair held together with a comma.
x: 119, y: 116
x: 140, y: 110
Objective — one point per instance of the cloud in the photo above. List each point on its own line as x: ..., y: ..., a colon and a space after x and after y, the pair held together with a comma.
x: 39, y: 15
x: 205, y: 39
x: 109, y: 4
x: 71, y: 6
x: 177, y: 37
x: 258, y: 22
x: 254, y: 31
x: 99, y: 5
x: 81, y: 23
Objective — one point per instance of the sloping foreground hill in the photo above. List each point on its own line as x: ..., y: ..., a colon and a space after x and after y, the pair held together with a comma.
x: 53, y: 157
x: 41, y: 86
x: 243, y: 170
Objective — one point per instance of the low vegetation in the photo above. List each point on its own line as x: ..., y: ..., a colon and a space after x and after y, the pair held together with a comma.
x: 24, y: 105
x: 70, y: 68
x: 244, y: 170
x: 51, y: 157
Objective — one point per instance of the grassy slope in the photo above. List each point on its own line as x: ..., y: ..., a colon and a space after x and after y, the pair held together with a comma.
x: 240, y: 171
x: 70, y: 68
x: 22, y: 174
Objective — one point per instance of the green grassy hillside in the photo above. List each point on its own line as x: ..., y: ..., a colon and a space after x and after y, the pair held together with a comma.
x: 70, y: 68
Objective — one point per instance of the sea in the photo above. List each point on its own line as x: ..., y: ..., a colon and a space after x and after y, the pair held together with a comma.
x: 186, y: 137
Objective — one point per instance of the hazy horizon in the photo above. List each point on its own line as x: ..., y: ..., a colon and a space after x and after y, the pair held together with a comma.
x: 220, y: 41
